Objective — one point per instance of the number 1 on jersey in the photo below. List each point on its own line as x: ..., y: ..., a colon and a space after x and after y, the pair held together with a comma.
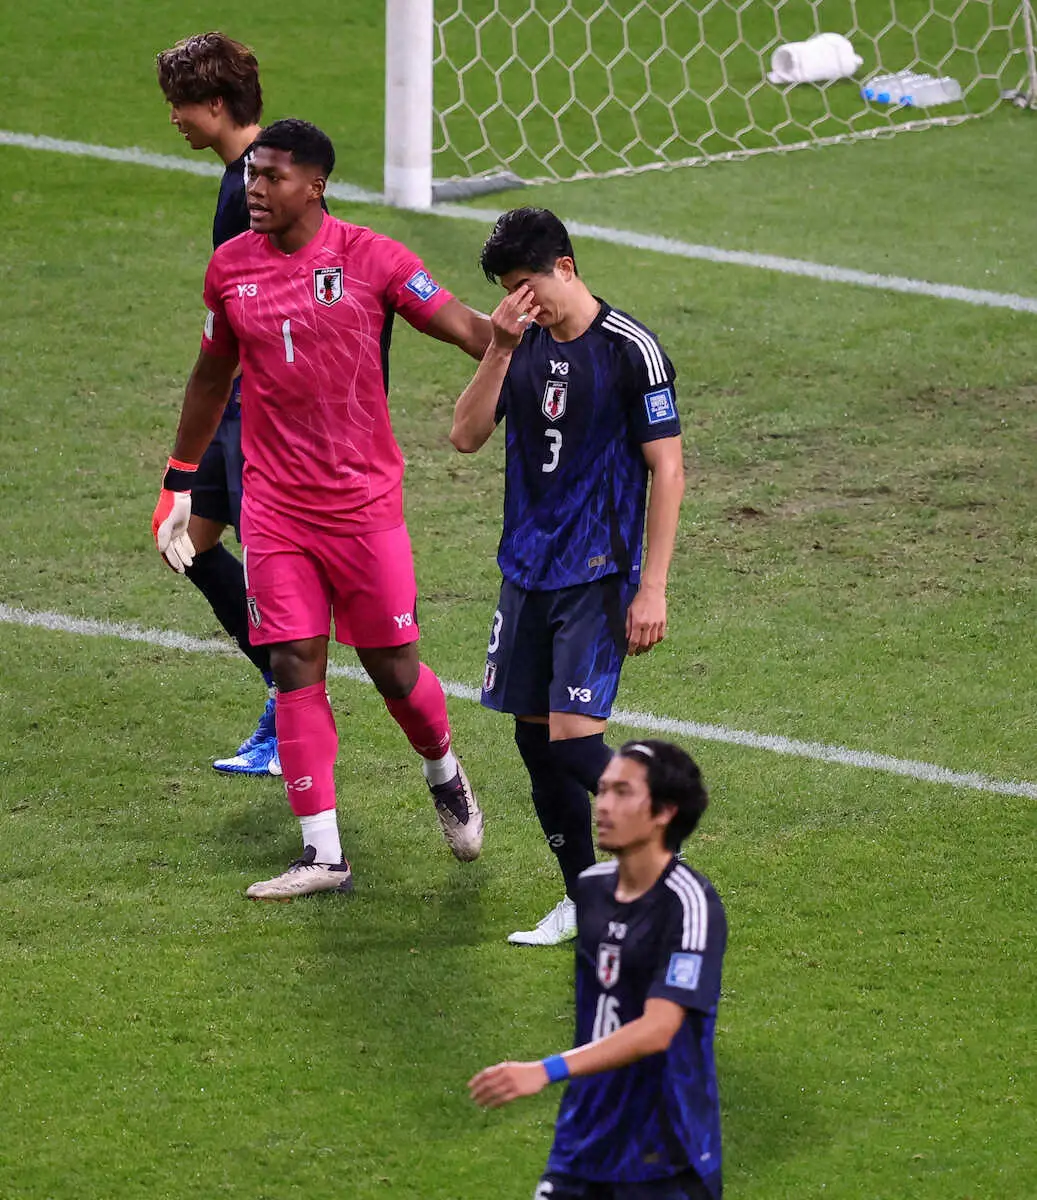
x: 554, y: 448
x: 289, y: 345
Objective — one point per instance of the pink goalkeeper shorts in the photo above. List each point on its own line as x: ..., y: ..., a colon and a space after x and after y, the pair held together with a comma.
x: 298, y: 577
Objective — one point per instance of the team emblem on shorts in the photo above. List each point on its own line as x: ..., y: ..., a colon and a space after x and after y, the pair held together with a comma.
x: 327, y: 285
x: 554, y: 399
x: 253, y: 612
x: 490, y: 678
x: 608, y: 964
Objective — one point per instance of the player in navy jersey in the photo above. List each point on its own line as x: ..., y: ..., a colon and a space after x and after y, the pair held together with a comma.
x: 587, y: 397
x: 640, y: 1119
x: 212, y: 85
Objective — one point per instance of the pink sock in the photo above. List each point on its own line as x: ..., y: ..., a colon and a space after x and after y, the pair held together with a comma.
x: 422, y: 715
x: 308, y: 743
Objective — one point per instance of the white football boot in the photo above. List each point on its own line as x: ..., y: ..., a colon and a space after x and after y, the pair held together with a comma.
x: 303, y: 878
x: 460, y: 816
x: 557, y: 927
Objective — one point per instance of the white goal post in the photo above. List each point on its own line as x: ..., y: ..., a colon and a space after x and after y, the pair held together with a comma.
x: 498, y: 92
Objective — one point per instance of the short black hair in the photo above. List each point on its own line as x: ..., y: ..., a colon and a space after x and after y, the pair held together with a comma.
x: 673, y: 777
x: 208, y: 66
x: 306, y: 143
x: 531, y: 239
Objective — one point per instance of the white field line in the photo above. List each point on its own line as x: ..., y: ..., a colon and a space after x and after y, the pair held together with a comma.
x: 926, y: 772
x: 601, y: 233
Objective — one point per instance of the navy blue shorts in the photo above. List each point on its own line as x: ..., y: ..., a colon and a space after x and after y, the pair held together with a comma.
x: 216, y: 490
x: 559, y: 651
x: 686, y: 1186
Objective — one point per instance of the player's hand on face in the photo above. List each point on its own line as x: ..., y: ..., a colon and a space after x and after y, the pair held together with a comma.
x: 646, y: 620
x: 513, y: 316
x: 507, y: 1081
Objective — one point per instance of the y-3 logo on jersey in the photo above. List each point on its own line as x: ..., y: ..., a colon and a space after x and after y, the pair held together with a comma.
x: 247, y: 289
x: 559, y: 368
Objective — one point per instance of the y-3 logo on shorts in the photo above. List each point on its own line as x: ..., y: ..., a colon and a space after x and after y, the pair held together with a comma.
x: 302, y: 784
x: 581, y: 694
x: 404, y: 620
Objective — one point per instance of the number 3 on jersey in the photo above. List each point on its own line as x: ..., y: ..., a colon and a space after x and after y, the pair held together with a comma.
x: 554, y: 448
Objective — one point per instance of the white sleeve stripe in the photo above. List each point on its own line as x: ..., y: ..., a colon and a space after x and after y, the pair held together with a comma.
x: 648, y: 346
x: 641, y: 336
x: 650, y: 351
x: 689, y: 891
x: 605, y: 868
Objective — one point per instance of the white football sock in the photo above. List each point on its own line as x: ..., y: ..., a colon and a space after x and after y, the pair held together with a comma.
x: 321, y: 832
x: 440, y: 770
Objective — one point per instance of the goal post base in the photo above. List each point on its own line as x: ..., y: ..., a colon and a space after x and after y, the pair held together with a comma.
x: 464, y: 189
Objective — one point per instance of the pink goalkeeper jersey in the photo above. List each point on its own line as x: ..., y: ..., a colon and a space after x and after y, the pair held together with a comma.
x: 312, y: 330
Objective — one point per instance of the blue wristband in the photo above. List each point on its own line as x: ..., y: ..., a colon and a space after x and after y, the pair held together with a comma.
x: 556, y: 1067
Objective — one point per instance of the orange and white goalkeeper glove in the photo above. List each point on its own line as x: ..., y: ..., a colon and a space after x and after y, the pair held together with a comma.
x: 172, y: 513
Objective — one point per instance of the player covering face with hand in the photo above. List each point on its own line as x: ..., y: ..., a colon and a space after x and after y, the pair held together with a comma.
x: 587, y: 397
x: 640, y: 1118
x: 306, y: 303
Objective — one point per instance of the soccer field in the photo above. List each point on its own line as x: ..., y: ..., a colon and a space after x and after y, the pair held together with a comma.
x: 850, y: 659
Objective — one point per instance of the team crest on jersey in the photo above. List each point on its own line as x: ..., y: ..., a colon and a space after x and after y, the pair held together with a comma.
x: 490, y: 678
x: 554, y: 399
x: 327, y: 285
x: 608, y: 964
x: 253, y: 612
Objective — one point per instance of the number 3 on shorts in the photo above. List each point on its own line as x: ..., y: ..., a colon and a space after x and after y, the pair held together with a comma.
x: 498, y: 625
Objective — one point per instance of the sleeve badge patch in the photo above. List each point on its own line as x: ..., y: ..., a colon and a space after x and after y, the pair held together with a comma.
x: 684, y: 971
x: 422, y: 285
x: 660, y: 405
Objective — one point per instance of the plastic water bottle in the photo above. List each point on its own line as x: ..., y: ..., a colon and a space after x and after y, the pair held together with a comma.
x: 912, y: 90
x: 927, y: 92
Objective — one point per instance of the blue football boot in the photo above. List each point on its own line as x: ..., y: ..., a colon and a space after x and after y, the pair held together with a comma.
x: 258, y: 754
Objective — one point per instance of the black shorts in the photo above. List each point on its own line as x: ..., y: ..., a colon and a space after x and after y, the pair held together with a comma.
x: 216, y: 489
x: 559, y: 651
x: 686, y: 1186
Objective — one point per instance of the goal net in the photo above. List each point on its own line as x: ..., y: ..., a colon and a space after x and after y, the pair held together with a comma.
x: 566, y: 89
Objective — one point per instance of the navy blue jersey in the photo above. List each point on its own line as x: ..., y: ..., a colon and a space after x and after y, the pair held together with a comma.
x: 576, y: 416
x: 661, y: 1115
x: 231, y: 207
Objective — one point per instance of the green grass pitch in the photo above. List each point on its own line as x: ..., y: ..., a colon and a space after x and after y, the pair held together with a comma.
x: 855, y: 567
